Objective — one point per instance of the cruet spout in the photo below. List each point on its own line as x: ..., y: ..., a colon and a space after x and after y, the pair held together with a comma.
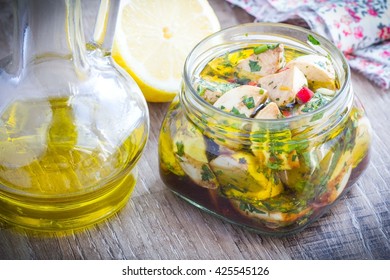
x: 45, y: 29
x: 55, y: 28
x: 105, y: 24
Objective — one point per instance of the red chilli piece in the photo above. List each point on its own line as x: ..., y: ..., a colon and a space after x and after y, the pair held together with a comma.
x: 252, y: 83
x: 286, y: 113
x: 304, y: 95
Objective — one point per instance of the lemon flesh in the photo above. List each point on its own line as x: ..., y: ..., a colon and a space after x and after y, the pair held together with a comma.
x: 153, y: 39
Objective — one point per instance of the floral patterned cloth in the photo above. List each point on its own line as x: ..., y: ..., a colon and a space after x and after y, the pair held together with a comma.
x: 359, y: 28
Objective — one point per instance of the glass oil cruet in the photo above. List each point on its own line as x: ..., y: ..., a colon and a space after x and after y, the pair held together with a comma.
x: 72, y: 125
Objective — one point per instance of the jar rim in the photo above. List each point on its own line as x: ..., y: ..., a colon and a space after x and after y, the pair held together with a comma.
x: 330, y: 47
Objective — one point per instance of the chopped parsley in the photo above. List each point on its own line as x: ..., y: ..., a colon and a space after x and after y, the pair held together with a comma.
x: 249, y: 102
x: 243, y: 81
x: 316, y: 102
x: 218, y: 172
x: 226, y: 60
x: 180, y: 148
x: 254, y: 66
x: 216, y: 87
x: 313, y: 40
x: 201, y: 90
x: 236, y: 112
x: 272, y: 47
x: 246, y: 207
x: 206, y: 173
x: 294, y: 157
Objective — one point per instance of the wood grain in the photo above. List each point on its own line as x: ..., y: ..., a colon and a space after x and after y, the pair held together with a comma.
x: 156, y: 224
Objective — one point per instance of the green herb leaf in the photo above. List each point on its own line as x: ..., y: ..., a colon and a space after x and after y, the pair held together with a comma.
x: 272, y: 47
x: 249, y: 102
x: 236, y: 112
x: 226, y: 61
x: 201, y: 90
x: 216, y: 87
x: 254, y: 66
x: 313, y: 40
x: 315, y: 103
x: 246, y: 207
x: 180, y: 148
x: 294, y: 157
x: 243, y: 81
x: 207, y: 174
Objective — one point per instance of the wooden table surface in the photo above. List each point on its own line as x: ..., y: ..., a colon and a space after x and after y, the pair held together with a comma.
x: 156, y: 224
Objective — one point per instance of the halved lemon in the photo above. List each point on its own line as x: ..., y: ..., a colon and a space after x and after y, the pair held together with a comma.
x: 153, y: 39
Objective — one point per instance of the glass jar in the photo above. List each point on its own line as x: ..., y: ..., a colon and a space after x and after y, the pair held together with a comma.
x: 72, y: 125
x: 225, y: 164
